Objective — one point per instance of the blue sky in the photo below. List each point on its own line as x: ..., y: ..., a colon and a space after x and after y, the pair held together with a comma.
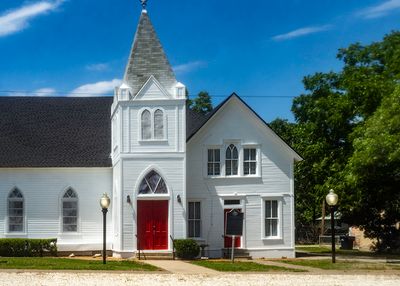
x: 259, y: 49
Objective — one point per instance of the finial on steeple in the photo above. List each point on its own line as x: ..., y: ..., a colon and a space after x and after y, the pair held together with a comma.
x: 144, y: 4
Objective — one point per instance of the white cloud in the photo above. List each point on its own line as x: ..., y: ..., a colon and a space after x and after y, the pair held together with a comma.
x: 301, y: 32
x: 46, y: 91
x: 96, y: 89
x: 380, y: 10
x: 189, y: 67
x: 16, y: 20
x: 97, y: 67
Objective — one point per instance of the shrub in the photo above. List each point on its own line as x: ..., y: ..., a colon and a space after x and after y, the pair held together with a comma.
x: 186, y: 248
x: 22, y: 247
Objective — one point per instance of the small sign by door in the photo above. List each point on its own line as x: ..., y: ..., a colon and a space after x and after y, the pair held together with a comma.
x: 234, y: 223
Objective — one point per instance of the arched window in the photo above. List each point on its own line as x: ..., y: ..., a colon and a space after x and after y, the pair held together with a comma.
x: 159, y: 124
x: 15, y: 211
x: 152, y: 183
x: 70, y: 211
x: 146, y: 125
x: 231, y: 160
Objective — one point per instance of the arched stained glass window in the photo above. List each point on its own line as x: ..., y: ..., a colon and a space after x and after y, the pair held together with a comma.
x: 231, y: 160
x: 152, y: 183
x: 146, y: 125
x: 15, y: 211
x: 158, y: 124
x: 70, y: 211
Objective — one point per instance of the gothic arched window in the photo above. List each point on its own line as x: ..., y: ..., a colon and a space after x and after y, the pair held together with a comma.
x: 15, y: 211
x: 158, y: 124
x: 152, y: 183
x: 70, y: 211
x: 146, y: 125
x: 231, y: 160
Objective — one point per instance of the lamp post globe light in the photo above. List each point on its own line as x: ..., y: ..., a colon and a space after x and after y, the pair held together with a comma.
x: 105, y: 204
x: 332, y: 200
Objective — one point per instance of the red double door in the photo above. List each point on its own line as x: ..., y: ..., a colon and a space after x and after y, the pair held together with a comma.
x: 152, y: 220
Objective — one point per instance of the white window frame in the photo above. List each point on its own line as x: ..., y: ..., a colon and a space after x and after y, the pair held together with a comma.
x: 62, y: 210
x: 214, y: 161
x: 23, y: 232
x: 200, y: 237
x: 152, y: 125
x: 238, y: 148
x: 257, y: 161
x: 279, y: 199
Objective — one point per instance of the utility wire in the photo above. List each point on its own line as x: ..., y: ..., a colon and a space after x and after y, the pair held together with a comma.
x: 110, y: 94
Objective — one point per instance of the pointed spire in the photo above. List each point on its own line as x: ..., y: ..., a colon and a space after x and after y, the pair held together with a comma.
x: 148, y: 58
x: 144, y: 4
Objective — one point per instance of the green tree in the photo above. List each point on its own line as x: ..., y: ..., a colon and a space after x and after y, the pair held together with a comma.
x: 202, y: 103
x: 372, y: 176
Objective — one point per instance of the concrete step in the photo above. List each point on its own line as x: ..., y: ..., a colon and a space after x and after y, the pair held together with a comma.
x: 155, y: 255
x: 239, y: 253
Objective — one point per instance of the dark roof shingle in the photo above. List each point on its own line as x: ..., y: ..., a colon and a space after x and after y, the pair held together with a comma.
x: 55, y: 132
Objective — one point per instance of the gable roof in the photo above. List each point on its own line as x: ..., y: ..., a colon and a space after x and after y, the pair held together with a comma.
x: 148, y: 58
x: 194, y: 128
x: 55, y: 132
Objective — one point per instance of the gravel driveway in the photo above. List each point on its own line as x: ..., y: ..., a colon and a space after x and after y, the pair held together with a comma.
x: 114, y: 279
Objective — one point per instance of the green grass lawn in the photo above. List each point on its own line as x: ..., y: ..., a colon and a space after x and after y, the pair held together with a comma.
x: 239, y: 266
x: 316, y: 249
x: 327, y: 264
x: 46, y: 263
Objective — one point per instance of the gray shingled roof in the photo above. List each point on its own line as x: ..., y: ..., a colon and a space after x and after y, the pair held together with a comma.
x: 148, y: 58
x: 55, y: 132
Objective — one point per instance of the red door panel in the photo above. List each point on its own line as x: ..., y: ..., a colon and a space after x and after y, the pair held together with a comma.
x: 228, y: 239
x: 152, y: 223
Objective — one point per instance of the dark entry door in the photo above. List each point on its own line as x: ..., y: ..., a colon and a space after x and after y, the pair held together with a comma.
x: 228, y: 239
x: 152, y: 225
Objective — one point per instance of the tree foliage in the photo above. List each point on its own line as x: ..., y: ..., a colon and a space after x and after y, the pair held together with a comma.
x: 202, y: 103
x: 339, y: 131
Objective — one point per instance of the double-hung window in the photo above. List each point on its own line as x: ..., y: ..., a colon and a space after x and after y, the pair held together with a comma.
x: 250, y: 161
x: 271, y: 218
x: 70, y: 211
x: 214, y: 162
x: 194, y: 219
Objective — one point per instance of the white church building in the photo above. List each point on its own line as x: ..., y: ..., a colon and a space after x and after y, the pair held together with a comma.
x: 170, y: 172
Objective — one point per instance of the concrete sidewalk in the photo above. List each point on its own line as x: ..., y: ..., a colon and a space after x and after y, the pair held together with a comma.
x: 180, y: 267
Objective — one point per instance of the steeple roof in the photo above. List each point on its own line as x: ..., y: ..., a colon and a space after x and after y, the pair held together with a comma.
x: 148, y: 58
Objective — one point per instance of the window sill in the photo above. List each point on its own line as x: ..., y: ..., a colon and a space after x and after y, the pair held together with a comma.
x: 272, y: 238
x: 16, y: 234
x: 153, y: 141
x: 234, y: 177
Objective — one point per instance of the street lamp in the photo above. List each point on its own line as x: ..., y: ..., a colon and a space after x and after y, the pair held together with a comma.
x: 105, y: 204
x: 332, y: 200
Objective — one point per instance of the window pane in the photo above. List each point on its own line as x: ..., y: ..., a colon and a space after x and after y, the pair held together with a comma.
x: 16, y: 220
x: 70, y: 228
x: 70, y: 212
x: 216, y: 169
x: 246, y: 154
x: 210, y: 170
x: 191, y: 210
x: 217, y: 155
x: 253, y: 168
x: 197, y: 210
x: 210, y: 155
x: 274, y: 227
x: 267, y: 227
x: 228, y: 153
x: 70, y: 204
x: 231, y: 202
x: 246, y: 168
x: 15, y: 212
x: 235, y: 153
x: 158, y: 124
x: 15, y: 194
x: 253, y: 154
x: 146, y: 125
x: 275, y: 209
x: 162, y: 187
x: 16, y: 204
x: 267, y: 209
x: 191, y: 228
x: 70, y: 220
x: 15, y: 228
x: 228, y: 167
x: 144, y: 188
x: 234, y: 167
x: 197, y: 228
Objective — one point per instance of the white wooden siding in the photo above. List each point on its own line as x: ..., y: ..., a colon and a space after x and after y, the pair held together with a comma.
x: 43, y: 189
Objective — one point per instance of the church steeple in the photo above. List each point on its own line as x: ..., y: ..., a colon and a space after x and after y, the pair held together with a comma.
x: 147, y: 58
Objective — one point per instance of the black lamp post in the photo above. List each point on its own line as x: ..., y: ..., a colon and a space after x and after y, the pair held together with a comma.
x: 332, y: 200
x: 105, y: 204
